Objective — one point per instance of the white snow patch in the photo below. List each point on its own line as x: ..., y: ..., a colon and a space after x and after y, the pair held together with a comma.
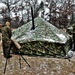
x: 1, y: 16
x: 69, y: 54
x: 62, y: 37
x: 58, y: 4
x: 50, y: 40
x: 2, y: 5
x: 39, y: 1
x: 46, y: 10
x: 13, y: 14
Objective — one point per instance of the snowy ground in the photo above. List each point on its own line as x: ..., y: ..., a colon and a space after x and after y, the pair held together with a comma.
x: 39, y: 66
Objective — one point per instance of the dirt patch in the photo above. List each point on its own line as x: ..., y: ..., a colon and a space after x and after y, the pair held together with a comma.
x: 39, y: 66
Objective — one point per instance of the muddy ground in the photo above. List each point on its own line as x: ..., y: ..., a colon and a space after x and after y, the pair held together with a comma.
x: 39, y: 66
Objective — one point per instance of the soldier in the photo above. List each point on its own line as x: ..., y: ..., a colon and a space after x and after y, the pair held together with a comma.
x: 73, y: 36
x: 6, y: 39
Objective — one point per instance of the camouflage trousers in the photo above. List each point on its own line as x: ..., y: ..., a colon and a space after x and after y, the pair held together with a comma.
x: 6, y: 46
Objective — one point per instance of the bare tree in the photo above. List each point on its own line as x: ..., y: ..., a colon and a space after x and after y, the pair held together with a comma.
x: 8, y: 3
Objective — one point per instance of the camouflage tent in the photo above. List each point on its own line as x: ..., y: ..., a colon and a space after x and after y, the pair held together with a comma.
x: 44, y: 40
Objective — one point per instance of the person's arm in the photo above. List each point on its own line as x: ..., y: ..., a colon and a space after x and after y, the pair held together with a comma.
x: 9, y: 32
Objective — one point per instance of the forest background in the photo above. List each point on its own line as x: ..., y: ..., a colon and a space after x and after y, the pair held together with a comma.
x: 61, y: 13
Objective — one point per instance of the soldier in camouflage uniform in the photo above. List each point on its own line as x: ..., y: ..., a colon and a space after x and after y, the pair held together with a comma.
x: 6, y: 39
x: 74, y: 36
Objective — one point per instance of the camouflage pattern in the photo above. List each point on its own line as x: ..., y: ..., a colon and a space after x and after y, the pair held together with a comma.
x: 6, y: 35
x: 71, y: 31
x: 45, y: 39
x: 74, y: 36
x: 44, y: 48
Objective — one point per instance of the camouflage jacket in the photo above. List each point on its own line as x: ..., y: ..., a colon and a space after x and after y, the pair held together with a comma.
x: 6, y: 32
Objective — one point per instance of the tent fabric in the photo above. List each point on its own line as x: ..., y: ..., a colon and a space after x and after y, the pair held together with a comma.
x: 44, y: 40
x: 43, y: 31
